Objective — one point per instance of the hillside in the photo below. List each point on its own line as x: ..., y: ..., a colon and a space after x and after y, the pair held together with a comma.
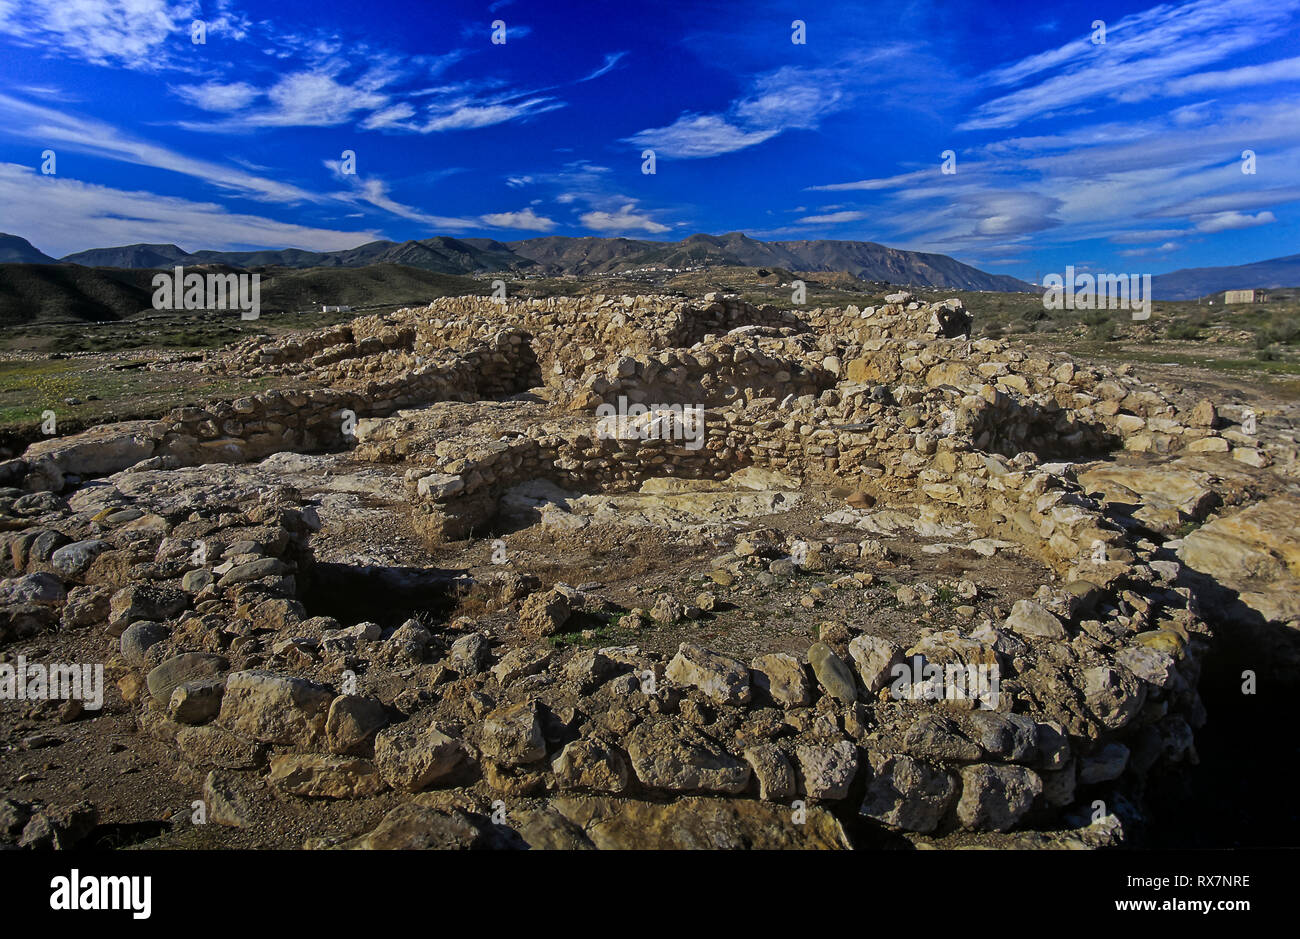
x: 563, y: 255
x: 32, y: 292
x: 43, y: 292
x: 373, y: 285
x: 15, y: 250
x: 863, y: 259
x: 135, y: 256
x: 1193, y: 282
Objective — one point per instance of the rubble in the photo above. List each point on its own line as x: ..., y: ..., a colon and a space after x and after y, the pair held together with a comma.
x: 189, y: 551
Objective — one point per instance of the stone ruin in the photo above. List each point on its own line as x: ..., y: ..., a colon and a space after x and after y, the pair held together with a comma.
x: 183, y: 552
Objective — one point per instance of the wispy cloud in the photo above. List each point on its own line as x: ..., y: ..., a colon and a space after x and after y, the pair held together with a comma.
x: 105, y: 32
x: 53, y: 128
x: 833, y: 218
x: 71, y: 215
x: 1245, y: 76
x: 611, y: 62
x: 791, y: 98
x: 1142, y: 53
x: 374, y: 191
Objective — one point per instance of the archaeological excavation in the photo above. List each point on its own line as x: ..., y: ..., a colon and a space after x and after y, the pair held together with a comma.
x: 639, y: 572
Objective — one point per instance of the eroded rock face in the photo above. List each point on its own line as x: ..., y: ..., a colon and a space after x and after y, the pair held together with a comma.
x: 1255, y: 551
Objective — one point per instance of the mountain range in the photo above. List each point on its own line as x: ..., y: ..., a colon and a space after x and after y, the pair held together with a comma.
x: 1192, y: 282
x: 556, y: 255
x: 559, y: 255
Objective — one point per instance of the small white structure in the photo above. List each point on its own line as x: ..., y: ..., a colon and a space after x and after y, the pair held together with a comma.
x: 336, y: 309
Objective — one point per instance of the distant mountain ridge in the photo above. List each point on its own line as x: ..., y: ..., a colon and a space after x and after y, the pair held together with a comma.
x: 1193, y: 282
x: 15, y: 250
x: 564, y: 255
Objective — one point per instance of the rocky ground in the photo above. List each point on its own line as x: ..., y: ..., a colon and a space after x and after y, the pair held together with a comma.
x: 423, y: 595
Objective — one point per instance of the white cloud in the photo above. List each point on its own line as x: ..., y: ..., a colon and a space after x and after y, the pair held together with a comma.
x: 625, y: 219
x: 302, y: 99
x: 525, y: 219
x: 611, y: 61
x: 886, y: 182
x: 1142, y: 53
x: 693, y: 136
x: 465, y: 114
x: 833, y: 218
x: 1160, y: 250
x: 54, y: 128
x: 394, y: 116
x: 791, y: 98
x: 1231, y: 221
x: 375, y: 192
x: 218, y: 96
x: 1142, y: 237
x: 64, y: 215
x: 1269, y: 72
x: 124, y: 33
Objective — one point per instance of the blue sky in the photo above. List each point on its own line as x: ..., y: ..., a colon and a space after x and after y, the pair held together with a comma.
x: 1122, y: 156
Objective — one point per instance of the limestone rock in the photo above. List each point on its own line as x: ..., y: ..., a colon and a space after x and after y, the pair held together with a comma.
x: 827, y: 771
x: 329, y: 777
x: 783, y: 678
x: 673, y: 756
x: 412, y: 759
x: 908, y: 794
x: 722, y: 678
x: 1034, y: 620
x: 996, y: 797
x: 275, y: 708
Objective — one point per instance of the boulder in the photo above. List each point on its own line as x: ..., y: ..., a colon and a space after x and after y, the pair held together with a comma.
x: 1034, y: 620
x: 512, y: 735
x: 674, y: 756
x: 833, y: 675
x: 275, y: 708
x: 782, y: 678
x: 908, y: 794
x: 722, y: 678
x: 412, y: 759
x: 996, y: 797
x: 827, y: 770
x: 317, y: 775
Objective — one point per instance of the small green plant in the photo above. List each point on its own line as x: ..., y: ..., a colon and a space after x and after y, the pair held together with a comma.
x: 1182, y: 330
